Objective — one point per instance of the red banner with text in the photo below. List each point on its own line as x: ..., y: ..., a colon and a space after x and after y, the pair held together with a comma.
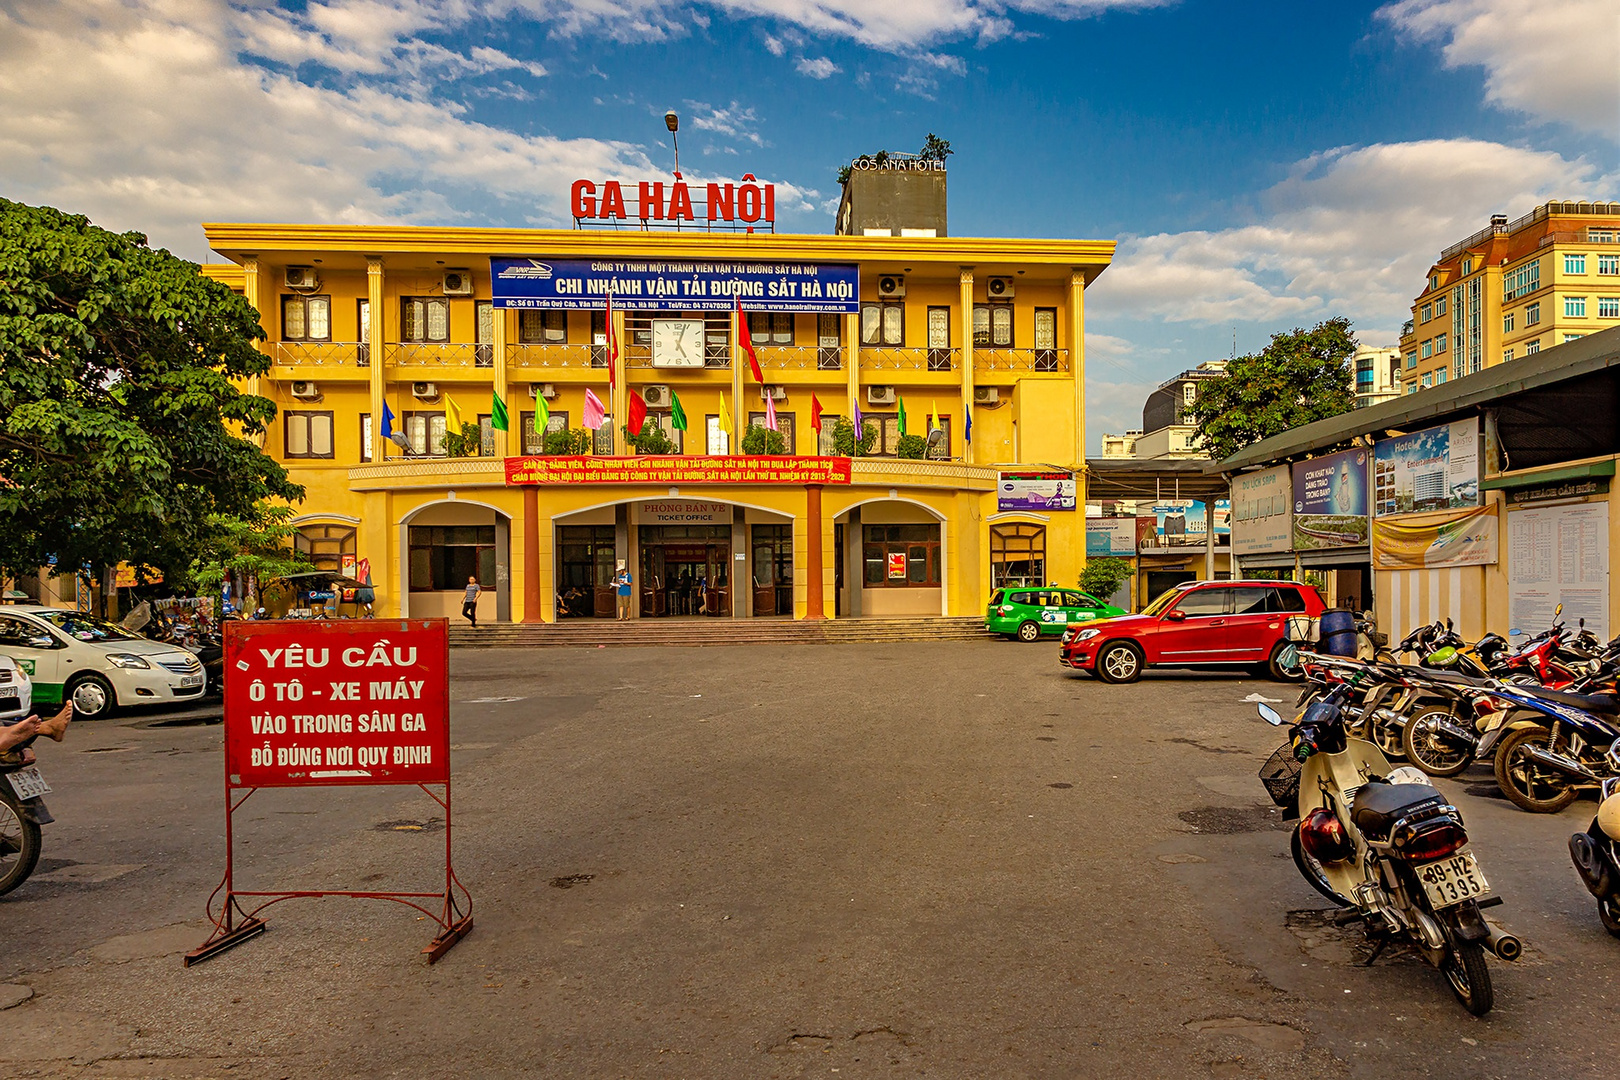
x: 677, y: 470
x: 326, y: 703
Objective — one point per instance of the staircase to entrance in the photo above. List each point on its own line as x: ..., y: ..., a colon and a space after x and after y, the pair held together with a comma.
x: 645, y: 633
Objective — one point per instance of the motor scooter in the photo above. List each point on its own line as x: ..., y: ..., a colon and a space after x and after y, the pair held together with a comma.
x: 22, y: 812
x: 1596, y: 854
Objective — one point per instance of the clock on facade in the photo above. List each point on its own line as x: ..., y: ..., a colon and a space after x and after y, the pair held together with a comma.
x: 677, y: 343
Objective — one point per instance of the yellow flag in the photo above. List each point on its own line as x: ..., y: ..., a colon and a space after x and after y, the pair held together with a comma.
x: 452, y: 415
x: 933, y: 417
x: 725, y: 420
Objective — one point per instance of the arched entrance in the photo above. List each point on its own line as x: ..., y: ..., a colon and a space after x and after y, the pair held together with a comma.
x: 444, y: 543
x: 891, y: 558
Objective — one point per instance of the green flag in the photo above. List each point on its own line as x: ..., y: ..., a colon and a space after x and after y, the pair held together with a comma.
x: 902, y: 417
x: 542, y: 417
x: 497, y: 413
x: 677, y: 415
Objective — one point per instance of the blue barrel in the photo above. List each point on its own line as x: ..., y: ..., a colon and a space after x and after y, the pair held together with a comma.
x: 1338, y: 635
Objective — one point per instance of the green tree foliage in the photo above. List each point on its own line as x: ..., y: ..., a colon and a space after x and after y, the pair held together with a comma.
x: 763, y: 440
x: 464, y: 443
x: 844, y: 438
x: 651, y: 441
x: 121, y: 428
x: 1103, y: 577
x: 911, y: 446
x: 259, y: 548
x: 566, y: 443
x: 1303, y: 375
x: 936, y: 149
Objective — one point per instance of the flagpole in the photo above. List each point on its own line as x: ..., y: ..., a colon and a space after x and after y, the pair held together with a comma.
x: 616, y: 385
x: 739, y: 415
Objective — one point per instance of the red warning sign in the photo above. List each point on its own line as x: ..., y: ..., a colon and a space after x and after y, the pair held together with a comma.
x: 350, y: 702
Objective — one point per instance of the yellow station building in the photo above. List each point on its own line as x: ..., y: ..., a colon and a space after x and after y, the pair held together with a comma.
x: 987, y: 335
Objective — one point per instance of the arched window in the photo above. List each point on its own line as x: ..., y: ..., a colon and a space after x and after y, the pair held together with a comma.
x: 326, y: 544
x: 1017, y: 555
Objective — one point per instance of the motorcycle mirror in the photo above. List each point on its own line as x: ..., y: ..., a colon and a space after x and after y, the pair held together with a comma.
x: 1269, y: 715
x: 1557, y: 611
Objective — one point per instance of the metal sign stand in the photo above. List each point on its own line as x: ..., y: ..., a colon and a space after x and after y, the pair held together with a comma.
x: 234, y: 924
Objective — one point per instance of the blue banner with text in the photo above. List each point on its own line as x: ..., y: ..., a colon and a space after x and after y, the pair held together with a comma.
x: 675, y: 285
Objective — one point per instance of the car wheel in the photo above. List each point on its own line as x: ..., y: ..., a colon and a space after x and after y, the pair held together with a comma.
x: 1029, y: 631
x: 1278, y: 671
x: 1119, y: 662
x: 92, y: 698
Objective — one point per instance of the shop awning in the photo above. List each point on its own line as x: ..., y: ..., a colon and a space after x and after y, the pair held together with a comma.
x: 1529, y: 477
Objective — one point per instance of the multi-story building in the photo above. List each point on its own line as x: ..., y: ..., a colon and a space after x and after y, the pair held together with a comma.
x: 1513, y: 289
x: 979, y: 343
x: 1378, y: 374
x: 1167, y: 431
x: 1120, y: 446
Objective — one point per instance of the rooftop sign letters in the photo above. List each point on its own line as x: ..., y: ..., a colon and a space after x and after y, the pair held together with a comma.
x: 748, y: 202
x: 677, y: 470
x: 684, y: 285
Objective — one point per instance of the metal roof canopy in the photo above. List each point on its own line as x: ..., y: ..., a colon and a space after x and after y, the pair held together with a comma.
x: 1561, y: 404
x: 1128, y: 478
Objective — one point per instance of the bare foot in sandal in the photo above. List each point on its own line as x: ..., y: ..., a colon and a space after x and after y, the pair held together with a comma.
x: 56, y: 726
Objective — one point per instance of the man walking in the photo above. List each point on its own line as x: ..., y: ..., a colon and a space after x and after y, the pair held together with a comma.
x: 469, y: 602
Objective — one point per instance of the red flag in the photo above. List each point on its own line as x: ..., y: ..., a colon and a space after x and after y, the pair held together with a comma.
x: 612, y: 348
x: 747, y: 343
x: 815, y: 414
x: 638, y: 412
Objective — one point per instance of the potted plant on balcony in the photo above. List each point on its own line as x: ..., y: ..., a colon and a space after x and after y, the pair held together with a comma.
x: 566, y: 443
x: 911, y: 446
x: 763, y: 440
x: 464, y: 443
x: 844, y: 438
x: 651, y: 442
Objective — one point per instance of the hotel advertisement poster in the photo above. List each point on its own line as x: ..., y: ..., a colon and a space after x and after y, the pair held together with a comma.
x: 1433, y: 469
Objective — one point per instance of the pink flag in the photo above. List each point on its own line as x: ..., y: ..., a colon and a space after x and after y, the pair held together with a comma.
x: 595, y: 413
x: 770, y: 409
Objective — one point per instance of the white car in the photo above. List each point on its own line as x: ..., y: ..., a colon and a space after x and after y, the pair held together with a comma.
x: 96, y: 664
x: 16, y: 690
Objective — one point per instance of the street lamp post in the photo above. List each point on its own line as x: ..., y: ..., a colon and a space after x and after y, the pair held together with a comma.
x: 673, y: 122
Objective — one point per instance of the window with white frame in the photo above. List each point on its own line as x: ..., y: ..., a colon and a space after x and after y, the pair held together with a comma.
x: 1574, y: 307
x: 1609, y: 307
x: 1533, y: 348
x: 424, y: 318
x: 306, y: 318
x: 1573, y: 337
x: 1426, y: 350
x: 1507, y: 354
x: 883, y: 323
x: 1425, y: 313
x: 424, y: 431
x: 1439, y: 306
x: 1600, y: 236
x: 718, y: 439
x: 1411, y: 359
x: 1532, y: 313
x: 826, y: 446
x: 1440, y: 376
x: 1440, y: 343
x: 307, y: 434
x: 1608, y: 264
x: 602, y: 439
x: 1467, y: 267
x: 1521, y: 282
x: 1412, y: 387
x: 1507, y: 323
x: 1428, y: 379
x: 1574, y: 264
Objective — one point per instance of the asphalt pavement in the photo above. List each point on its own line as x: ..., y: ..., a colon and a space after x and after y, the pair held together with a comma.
x: 924, y: 859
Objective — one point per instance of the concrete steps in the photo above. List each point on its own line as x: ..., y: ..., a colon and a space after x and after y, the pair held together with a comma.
x: 654, y: 633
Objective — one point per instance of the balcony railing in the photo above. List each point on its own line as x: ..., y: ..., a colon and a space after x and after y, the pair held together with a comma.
x: 1020, y: 359
x: 327, y: 354
x: 883, y: 358
x: 439, y: 354
x: 556, y: 357
x: 801, y: 357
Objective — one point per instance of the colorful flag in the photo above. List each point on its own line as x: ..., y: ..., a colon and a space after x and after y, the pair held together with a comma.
x: 933, y: 417
x: 815, y: 414
x: 595, y: 413
x: 677, y: 415
x: 855, y: 409
x: 747, y: 342
x: 725, y: 421
x: 612, y: 346
x: 498, y: 420
x: 770, y: 409
x: 452, y: 415
x: 967, y: 429
x: 900, y: 412
x: 542, y: 417
x: 637, y: 409
x: 387, y: 429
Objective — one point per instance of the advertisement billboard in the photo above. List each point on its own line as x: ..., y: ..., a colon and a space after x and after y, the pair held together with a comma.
x: 1053, y: 489
x: 1181, y: 523
x: 1113, y: 537
x: 1433, y: 469
x: 1459, y: 538
x: 1330, y: 501
x: 1262, y: 512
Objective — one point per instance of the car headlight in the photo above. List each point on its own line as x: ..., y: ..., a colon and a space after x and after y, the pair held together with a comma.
x: 1087, y: 635
x: 127, y: 660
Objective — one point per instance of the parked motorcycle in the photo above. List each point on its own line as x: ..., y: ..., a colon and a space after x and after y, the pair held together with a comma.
x: 1384, y: 844
x: 1596, y: 854
x: 22, y: 812
x: 1555, y: 746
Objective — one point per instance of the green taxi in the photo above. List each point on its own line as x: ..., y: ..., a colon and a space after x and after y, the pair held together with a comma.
x: 1029, y: 611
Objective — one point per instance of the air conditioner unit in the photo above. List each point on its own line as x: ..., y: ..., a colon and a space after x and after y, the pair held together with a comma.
x: 880, y: 395
x: 1000, y: 288
x: 986, y: 395
x: 891, y: 286
x: 424, y: 390
x: 301, y: 278
x: 656, y: 395
x: 460, y: 283
x: 773, y: 393
x: 305, y: 390
x: 543, y: 390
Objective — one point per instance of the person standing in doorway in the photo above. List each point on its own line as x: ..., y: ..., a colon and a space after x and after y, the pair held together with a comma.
x: 622, y: 583
x: 469, y: 602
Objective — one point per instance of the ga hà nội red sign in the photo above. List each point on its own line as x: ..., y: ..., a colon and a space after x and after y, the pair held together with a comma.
x: 334, y: 704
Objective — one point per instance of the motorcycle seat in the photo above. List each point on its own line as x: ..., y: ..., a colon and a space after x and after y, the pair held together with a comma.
x: 1377, y: 807
x: 1593, y: 703
x: 1453, y: 678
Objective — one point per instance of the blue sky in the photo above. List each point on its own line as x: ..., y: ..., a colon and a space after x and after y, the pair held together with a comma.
x: 1262, y: 165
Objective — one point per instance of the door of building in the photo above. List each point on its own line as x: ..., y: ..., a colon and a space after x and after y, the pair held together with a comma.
x: 685, y: 570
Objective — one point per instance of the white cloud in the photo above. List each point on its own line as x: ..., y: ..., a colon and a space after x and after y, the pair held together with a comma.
x: 1553, y: 59
x: 818, y: 68
x: 732, y: 122
x: 141, y: 115
x: 1351, y: 231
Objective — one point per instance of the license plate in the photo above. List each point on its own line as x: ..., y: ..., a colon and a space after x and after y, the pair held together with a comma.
x: 8, y: 691
x: 1451, y: 881
x: 190, y: 680
x: 28, y: 783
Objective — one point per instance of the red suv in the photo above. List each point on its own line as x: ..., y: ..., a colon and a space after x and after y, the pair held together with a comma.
x: 1197, y: 624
